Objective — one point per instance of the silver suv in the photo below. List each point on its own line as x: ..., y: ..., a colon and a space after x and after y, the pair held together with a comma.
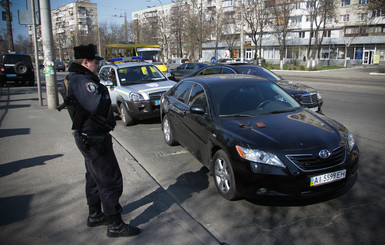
x: 135, y: 89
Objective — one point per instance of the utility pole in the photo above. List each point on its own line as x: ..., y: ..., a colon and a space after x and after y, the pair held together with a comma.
x: 8, y: 19
x: 37, y: 72
x: 49, y: 55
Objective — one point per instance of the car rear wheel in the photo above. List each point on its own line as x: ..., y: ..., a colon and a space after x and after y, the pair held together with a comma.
x: 224, y: 176
x: 167, y: 132
x: 126, y: 119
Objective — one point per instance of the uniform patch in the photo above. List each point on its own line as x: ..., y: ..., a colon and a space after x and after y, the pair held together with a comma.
x: 92, y: 87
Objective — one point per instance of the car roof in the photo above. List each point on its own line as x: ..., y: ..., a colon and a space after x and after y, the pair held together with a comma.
x: 214, y: 80
x: 128, y: 64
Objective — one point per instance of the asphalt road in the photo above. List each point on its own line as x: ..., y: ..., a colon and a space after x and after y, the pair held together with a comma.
x: 353, y: 216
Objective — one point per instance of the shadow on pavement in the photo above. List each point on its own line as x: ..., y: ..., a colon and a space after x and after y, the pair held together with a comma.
x: 14, y: 209
x: 185, y: 185
x: 13, y: 167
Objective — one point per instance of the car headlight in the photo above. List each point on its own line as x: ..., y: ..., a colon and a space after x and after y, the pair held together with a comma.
x: 351, y: 141
x: 319, y: 96
x: 136, y: 97
x: 259, y: 156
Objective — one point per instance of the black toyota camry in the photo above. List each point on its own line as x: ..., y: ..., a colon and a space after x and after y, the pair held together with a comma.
x: 256, y: 139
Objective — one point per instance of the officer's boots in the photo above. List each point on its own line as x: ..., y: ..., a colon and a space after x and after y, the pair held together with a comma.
x: 117, y: 228
x: 96, y: 216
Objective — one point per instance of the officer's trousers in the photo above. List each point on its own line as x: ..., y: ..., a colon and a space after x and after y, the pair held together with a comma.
x: 104, y: 182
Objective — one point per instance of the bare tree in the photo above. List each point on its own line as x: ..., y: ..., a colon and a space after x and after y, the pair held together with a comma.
x: 228, y: 27
x: 318, y: 12
x: 280, y: 12
x: 255, y: 16
x: 176, y: 27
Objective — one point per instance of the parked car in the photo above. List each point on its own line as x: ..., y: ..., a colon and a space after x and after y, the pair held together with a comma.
x: 135, y: 89
x: 307, y: 95
x: 256, y: 139
x: 59, y: 66
x: 17, y: 68
x: 186, y: 69
x: 176, y: 62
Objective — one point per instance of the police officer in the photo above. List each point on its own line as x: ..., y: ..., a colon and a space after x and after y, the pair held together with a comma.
x: 89, y: 106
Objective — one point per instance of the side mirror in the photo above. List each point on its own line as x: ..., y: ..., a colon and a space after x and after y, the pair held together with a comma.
x: 106, y: 82
x: 197, y: 109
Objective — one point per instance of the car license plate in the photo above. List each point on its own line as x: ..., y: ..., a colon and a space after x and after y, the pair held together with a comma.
x: 11, y: 75
x: 327, y: 178
x: 157, y: 102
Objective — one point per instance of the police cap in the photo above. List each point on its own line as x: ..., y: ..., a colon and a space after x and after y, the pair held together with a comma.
x: 86, y: 52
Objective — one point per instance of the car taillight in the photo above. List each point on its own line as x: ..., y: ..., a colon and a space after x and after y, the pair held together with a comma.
x: 2, y: 69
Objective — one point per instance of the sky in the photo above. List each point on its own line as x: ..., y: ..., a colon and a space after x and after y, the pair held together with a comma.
x: 108, y: 11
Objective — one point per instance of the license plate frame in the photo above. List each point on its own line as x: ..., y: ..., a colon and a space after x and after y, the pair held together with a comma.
x: 327, y: 178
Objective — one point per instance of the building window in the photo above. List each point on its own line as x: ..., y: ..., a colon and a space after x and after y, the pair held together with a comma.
x: 362, y: 16
x: 363, y: 2
x: 345, y: 18
x: 345, y: 3
x: 327, y: 33
x: 227, y: 3
x: 301, y: 34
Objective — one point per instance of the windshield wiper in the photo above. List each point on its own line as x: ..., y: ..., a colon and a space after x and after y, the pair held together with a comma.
x: 278, y: 111
x: 235, y: 115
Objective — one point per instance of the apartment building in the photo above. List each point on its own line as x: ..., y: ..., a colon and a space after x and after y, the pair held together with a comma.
x: 351, y: 33
x: 72, y: 24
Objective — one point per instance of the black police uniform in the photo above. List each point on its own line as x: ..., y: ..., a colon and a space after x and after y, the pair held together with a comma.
x: 89, y: 106
x: 103, y: 177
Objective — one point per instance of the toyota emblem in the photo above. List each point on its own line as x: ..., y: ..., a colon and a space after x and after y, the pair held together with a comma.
x: 324, y: 154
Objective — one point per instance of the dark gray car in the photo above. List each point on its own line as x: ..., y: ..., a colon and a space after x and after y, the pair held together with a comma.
x: 306, y: 95
x: 185, y: 69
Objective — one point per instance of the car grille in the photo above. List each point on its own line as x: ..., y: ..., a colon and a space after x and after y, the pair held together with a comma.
x: 309, y: 162
x: 309, y: 98
x: 156, y: 96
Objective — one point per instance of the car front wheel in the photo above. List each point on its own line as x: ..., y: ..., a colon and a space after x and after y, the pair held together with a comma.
x: 167, y: 132
x: 224, y: 176
x: 127, y: 119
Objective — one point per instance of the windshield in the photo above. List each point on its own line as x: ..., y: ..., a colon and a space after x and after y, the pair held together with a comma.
x: 259, y: 71
x: 251, y: 98
x: 139, y: 74
x: 151, y: 55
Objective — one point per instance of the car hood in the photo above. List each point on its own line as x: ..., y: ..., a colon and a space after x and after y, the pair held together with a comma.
x: 147, y: 87
x: 294, y: 86
x: 286, y: 132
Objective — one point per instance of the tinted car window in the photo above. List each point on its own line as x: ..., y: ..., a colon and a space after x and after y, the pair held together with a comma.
x: 210, y: 71
x: 12, y: 59
x: 198, y: 97
x: 181, y: 67
x: 190, y: 66
x: 258, y: 71
x: 227, y: 71
x: 182, y: 92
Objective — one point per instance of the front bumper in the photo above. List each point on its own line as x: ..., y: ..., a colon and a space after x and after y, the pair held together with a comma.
x: 271, y: 181
x: 143, y: 109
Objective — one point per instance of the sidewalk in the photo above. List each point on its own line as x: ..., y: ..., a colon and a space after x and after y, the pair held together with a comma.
x: 42, y: 199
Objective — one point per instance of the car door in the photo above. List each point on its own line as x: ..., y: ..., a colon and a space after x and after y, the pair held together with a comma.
x: 177, y: 73
x: 105, y: 74
x: 177, y: 111
x: 197, y: 126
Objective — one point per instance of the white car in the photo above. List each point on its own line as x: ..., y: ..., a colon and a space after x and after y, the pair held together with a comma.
x: 176, y: 62
x: 135, y: 89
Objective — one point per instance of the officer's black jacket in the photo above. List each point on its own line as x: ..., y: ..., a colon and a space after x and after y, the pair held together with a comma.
x: 92, y: 96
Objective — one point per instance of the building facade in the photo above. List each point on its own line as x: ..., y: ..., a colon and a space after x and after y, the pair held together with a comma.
x: 73, y: 24
x: 332, y: 32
